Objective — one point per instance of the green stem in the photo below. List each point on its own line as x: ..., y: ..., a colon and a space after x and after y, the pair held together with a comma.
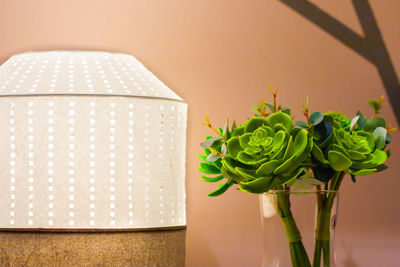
x: 322, y: 231
x: 326, y: 251
x: 298, y: 253
x: 317, y: 253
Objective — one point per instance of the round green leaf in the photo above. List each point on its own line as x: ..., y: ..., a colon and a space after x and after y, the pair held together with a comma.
x: 257, y: 186
x: 316, y: 118
x: 233, y: 146
x: 338, y: 161
x: 212, y: 179
x: 363, y: 172
x: 380, y: 137
x: 301, y: 124
x: 208, y: 168
x: 371, y: 124
x: 221, y: 189
x: 282, y: 118
x: 317, y: 153
x: 267, y: 168
x: 374, y: 104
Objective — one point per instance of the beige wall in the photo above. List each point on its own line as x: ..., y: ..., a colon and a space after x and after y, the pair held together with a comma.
x: 219, y: 56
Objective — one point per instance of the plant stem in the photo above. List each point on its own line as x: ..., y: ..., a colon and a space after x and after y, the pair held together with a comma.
x: 317, y: 253
x: 326, y: 252
x: 322, y: 231
x: 298, y: 253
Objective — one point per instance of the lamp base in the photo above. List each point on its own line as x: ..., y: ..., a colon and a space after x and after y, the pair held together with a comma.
x: 152, y: 248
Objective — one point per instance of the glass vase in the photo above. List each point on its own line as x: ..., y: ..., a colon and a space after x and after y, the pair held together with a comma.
x: 298, y: 228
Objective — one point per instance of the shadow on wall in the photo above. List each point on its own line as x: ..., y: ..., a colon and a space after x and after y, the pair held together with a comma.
x: 371, y: 47
x: 348, y: 260
x: 204, y: 257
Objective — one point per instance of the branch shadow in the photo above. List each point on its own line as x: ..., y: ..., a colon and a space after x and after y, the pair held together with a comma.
x: 371, y: 47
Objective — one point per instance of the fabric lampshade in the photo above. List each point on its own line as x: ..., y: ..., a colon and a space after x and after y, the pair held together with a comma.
x: 89, y: 140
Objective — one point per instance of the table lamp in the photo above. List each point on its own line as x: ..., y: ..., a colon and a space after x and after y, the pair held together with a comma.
x: 92, y: 162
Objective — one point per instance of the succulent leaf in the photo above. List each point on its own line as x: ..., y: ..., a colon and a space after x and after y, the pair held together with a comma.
x: 257, y: 186
x: 208, y: 168
x: 316, y: 118
x: 267, y: 168
x: 338, y: 161
x: 317, y: 153
x: 221, y: 189
x: 212, y: 179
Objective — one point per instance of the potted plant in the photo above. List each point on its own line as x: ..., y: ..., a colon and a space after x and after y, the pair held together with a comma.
x: 272, y: 155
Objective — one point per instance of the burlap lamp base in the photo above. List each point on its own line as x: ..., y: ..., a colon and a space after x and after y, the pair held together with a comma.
x: 136, y: 248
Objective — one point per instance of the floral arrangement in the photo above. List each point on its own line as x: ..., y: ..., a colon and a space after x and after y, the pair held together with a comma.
x: 270, y: 151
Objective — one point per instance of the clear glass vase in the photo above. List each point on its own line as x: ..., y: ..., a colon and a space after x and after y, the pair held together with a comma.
x: 298, y: 228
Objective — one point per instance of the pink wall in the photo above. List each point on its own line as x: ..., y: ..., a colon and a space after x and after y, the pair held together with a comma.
x: 219, y: 56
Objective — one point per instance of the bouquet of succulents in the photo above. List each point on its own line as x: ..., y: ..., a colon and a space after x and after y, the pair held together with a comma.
x: 270, y: 151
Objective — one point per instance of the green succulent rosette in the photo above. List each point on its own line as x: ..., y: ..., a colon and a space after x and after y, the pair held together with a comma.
x: 265, y: 152
x: 339, y: 120
x: 357, y: 152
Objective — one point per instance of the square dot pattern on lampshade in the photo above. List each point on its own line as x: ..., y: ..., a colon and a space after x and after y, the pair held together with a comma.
x: 90, y: 140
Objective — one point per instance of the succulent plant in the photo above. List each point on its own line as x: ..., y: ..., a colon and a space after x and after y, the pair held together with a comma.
x: 357, y: 152
x: 351, y: 145
x: 265, y: 152
x: 268, y: 152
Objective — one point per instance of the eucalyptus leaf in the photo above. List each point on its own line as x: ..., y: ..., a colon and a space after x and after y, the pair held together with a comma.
x: 316, y: 118
x: 210, y: 142
x: 354, y: 121
x: 374, y: 104
x: 301, y: 124
x: 305, y: 183
x: 223, y: 150
x: 212, y: 157
x: 361, y: 120
x: 257, y: 109
x: 323, y: 173
x: 225, y: 131
x: 270, y: 106
x: 322, y: 131
x: 380, y: 137
x: 286, y: 110
x: 388, y: 138
x: 373, y: 123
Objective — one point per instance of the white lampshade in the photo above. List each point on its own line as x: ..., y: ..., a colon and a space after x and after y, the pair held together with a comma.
x: 89, y: 140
